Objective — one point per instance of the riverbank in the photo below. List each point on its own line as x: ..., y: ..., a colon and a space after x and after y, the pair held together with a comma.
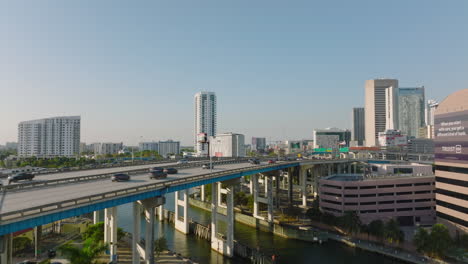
x: 300, y: 234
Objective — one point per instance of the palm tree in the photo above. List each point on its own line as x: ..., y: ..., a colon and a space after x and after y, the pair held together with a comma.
x: 85, y: 254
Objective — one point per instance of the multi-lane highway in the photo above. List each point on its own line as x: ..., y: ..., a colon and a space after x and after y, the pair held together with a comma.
x: 20, y: 200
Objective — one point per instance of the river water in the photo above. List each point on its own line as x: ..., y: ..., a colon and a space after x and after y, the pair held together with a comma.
x: 288, y: 250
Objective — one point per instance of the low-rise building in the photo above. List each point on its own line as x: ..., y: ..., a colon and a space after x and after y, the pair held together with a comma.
x: 331, y: 138
x: 227, y: 145
x: 392, y: 138
x: 421, y: 145
x: 408, y: 199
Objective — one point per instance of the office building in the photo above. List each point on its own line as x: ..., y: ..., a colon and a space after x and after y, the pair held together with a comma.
x: 358, y: 125
x: 107, y: 148
x: 451, y: 162
x: 381, y: 108
x: 168, y: 147
x: 411, y: 110
x: 151, y: 146
x: 331, y: 138
x: 403, y: 192
x: 227, y: 145
x: 258, y: 144
x: 430, y: 111
x: 205, y: 119
x: 392, y: 138
x: 49, y: 137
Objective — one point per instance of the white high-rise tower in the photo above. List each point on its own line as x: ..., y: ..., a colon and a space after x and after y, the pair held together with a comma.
x: 205, y: 119
x: 381, y: 108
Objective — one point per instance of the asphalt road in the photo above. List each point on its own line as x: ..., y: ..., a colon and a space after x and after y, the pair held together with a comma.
x: 72, y: 174
x: 19, y: 200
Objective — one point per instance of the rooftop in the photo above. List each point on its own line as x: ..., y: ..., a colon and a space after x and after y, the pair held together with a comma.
x: 361, y: 177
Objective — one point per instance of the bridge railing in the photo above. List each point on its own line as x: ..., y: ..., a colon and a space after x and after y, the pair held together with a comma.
x: 47, y: 183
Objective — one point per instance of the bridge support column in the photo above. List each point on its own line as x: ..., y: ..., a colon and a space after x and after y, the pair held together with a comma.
x: 146, y: 251
x: 149, y: 235
x: 37, y: 240
x: 110, y: 231
x: 277, y: 191
x: 269, y: 194
x: 161, y: 212
x: 202, y: 193
x: 303, y: 181
x: 136, y: 233
x: 329, y: 169
x: 96, y: 215
x: 219, y: 244
x: 6, y: 249
x: 182, y: 225
x: 290, y: 186
x: 254, y: 179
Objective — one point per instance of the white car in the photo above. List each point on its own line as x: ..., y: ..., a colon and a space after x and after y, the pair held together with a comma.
x: 182, y: 161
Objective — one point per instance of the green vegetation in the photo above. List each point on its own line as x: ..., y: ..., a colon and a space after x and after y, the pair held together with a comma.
x: 57, y: 162
x: 96, y: 233
x: 241, y: 199
x: 351, y: 223
x: 434, y: 244
x: 187, y: 150
x: 21, y: 243
x: 83, y: 254
x: 160, y: 245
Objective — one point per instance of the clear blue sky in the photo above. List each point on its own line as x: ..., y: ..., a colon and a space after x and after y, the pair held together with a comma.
x: 279, y: 68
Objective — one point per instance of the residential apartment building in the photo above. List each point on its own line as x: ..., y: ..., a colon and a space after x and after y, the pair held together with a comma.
x: 451, y: 161
x: 227, y: 145
x: 151, y: 146
x: 168, y: 147
x: 358, y: 126
x: 107, y: 148
x: 381, y: 108
x: 411, y: 110
x: 205, y: 119
x: 49, y: 137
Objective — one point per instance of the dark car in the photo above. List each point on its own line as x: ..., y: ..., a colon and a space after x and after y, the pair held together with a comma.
x: 118, y: 177
x: 51, y: 253
x: 271, y: 161
x: 20, y: 176
x: 170, y: 171
x: 28, y: 262
x: 254, y: 161
x: 207, y: 166
x: 157, y: 174
x: 156, y: 169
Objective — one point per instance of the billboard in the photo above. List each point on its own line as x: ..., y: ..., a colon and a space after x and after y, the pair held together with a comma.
x: 451, y: 137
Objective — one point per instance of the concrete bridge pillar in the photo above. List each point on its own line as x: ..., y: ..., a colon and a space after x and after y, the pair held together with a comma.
x: 202, y: 193
x: 303, y: 182
x: 329, y: 169
x: 290, y: 186
x: 222, y: 245
x: 181, y: 225
x: 254, y: 179
x: 110, y: 231
x: 96, y: 215
x: 146, y: 251
x: 269, y: 195
x: 161, y: 212
x: 6, y: 249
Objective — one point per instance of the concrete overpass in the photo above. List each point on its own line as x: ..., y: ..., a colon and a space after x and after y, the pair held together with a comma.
x: 22, y: 208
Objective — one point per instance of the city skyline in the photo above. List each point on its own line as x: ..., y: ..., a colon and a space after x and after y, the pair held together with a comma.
x: 123, y: 82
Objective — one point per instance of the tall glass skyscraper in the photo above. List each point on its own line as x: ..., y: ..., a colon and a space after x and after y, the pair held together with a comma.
x: 411, y: 109
x: 205, y: 119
